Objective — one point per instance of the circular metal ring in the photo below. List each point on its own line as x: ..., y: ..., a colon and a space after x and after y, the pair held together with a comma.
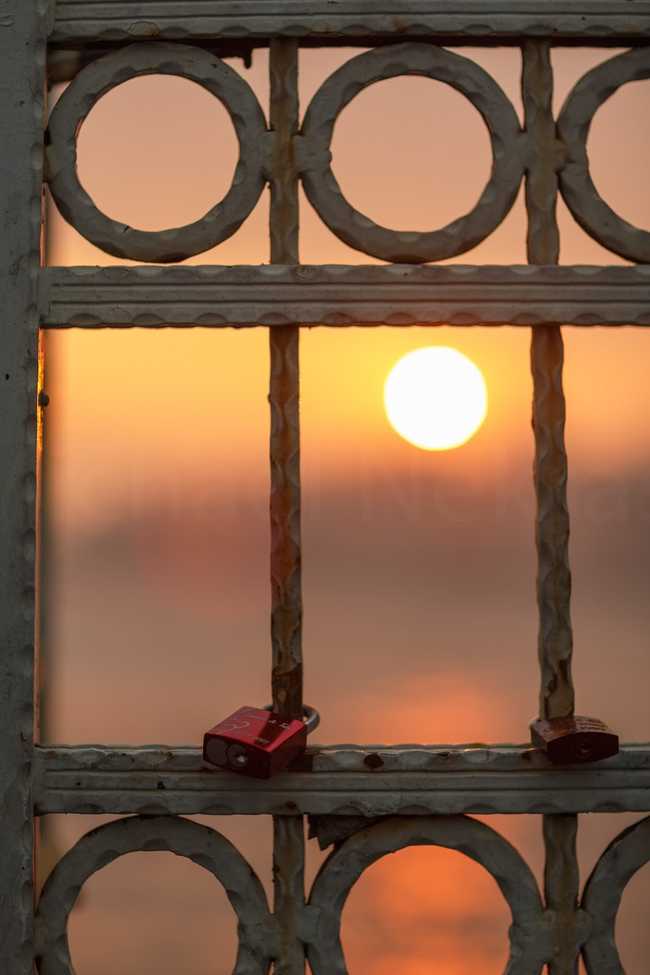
x: 576, y: 185
x: 310, y: 715
x: 530, y: 935
x: 99, y: 77
x: 603, y: 892
x: 205, y: 846
x: 357, y: 230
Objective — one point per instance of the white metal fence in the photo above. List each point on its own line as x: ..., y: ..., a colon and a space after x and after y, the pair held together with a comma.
x: 367, y: 802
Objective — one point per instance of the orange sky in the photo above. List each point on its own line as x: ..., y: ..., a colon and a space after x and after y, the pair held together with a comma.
x: 141, y: 382
x: 157, y: 500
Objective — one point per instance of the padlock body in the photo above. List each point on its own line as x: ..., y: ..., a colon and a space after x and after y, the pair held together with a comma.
x: 576, y: 739
x: 255, y: 742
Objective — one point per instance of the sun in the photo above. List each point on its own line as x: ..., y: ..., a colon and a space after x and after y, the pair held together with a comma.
x: 435, y: 398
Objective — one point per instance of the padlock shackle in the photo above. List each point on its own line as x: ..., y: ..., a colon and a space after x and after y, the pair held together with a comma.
x: 310, y: 716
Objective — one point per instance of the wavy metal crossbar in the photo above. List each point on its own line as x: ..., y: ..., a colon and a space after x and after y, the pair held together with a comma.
x: 400, y: 295
x: 367, y: 801
x: 340, y: 780
x: 324, y: 21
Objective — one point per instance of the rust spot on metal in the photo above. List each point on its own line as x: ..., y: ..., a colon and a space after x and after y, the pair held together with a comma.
x: 144, y: 28
x: 373, y: 761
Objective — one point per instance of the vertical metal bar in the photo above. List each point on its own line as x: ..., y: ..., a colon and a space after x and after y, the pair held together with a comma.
x: 547, y: 358
x: 289, y: 892
x: 286, y: 610
x: 23, y: 32
x: 561, y: 875
x: 48, y: 849
x: 561, y: 886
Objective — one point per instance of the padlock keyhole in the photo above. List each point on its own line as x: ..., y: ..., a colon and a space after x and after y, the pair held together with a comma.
x: 237, y: 756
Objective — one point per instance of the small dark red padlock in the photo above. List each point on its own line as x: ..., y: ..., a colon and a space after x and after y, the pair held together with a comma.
x: 258, y: 741
x: 574, y: 739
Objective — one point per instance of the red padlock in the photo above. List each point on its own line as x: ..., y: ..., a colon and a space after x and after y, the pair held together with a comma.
x: 258, y: 741
x: 574, y: 739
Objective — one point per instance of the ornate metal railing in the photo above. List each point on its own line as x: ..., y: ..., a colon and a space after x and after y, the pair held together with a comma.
x: 368, y: 802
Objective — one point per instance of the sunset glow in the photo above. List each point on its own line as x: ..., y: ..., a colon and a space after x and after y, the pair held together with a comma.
x: 419, y: 564
x: 436, y: 398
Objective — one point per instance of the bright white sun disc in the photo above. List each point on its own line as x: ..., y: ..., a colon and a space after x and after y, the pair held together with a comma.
x: 436, y: 398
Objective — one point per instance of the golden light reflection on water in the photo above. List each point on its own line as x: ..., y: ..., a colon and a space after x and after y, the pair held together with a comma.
x: 423, y: 910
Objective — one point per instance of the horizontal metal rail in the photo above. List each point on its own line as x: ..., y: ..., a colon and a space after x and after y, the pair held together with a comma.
x: 344, y: 295
x: 330, y: 21
x: 347, y: 780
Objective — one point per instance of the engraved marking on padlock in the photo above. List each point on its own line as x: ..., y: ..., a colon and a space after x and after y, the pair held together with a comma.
x: 236, y: 726
x: 310, y: 716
